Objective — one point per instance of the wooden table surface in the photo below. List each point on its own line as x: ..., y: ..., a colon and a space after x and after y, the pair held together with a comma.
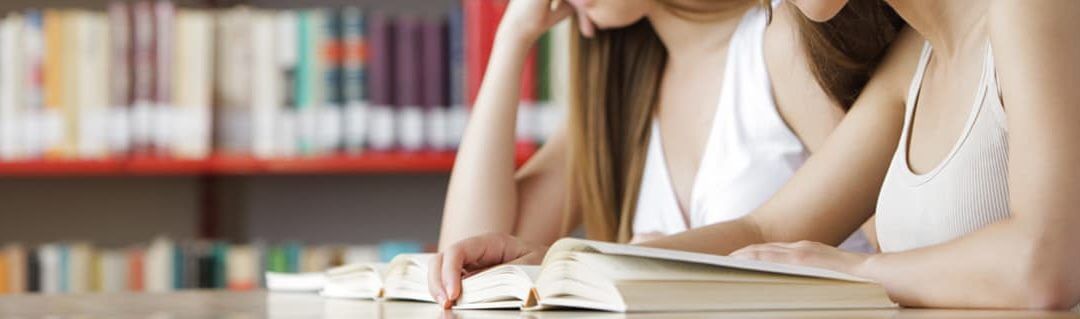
x: 228, y: 305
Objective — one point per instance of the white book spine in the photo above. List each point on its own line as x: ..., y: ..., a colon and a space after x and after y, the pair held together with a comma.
x: 437, y: 128
x: 286, y: 135
x: 91, y: 82
x: 10, y: 89
x: 194, y: 53
x: 265, y: 85
x: 32, y: 100
x: 382, y: 135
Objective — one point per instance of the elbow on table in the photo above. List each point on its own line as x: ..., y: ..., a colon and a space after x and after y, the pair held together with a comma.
x: 1053, y: 294
x: 1050, y: 282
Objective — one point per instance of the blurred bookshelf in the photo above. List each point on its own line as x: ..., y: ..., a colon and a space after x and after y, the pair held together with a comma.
x: 225, y: 187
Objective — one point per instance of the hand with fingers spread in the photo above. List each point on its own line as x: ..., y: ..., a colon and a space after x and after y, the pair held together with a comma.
x: 473, y: 255
x: 806, y: 253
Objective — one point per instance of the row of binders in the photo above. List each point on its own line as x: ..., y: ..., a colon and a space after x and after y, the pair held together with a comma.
x: 149, y: 79
x: 165, y: 265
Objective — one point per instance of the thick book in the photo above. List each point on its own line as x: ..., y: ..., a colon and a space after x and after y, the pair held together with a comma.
x: 620, y: 278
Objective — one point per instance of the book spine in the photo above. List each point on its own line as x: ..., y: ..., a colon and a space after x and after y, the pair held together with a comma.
x: 120, y: 78
x: 10, y: 88
x: 408, y: 87
x: 266, y: 85
x: 33, y: 271
x: 52, y: 116
x: 329, y: 121
x: 5, y: 274
x: 306, y: 79
x: 353, y: 82
x: 163, y: 141
x: 33, y: 50
x: 136, y: 270
x: 142, y: 63
x: 90, y: 65
x: 192, y: 80
x: 459, y: 112
x: 435, y: 83
x: 381, y: 83
x: 286, y: 136
x: 70, y: 30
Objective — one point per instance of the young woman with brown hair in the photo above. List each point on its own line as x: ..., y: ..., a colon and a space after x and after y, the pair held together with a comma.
x: 965, y: 145
x: 647, y: 150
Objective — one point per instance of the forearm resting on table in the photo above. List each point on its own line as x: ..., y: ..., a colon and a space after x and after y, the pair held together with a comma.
x: 1011, y: 264
x: 717, y: 239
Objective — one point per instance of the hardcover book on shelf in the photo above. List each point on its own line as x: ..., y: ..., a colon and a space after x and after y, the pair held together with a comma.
x: 193, y: 77
x: 11, y: 88
x: 120, y: 77
x: 435, y: 80
x: 354, y: 79
x: 407, y: 85
x: 143, y: 58
x: 286, y: 51
x: 458, y: 114
x: 620, y: 278
x: 328, y: 122
x: 163, y: 41
x: 382, y: 136
x: 266, y: 83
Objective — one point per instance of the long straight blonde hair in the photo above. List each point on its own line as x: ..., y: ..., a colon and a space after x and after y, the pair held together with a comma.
x: 615, y: 86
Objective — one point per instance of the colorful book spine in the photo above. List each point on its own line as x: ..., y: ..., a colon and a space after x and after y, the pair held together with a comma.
x: 407, y: 87
x: 286, y: 136
x: 381, y: 83
x: 353, y: 79
x: 481, y: 22
x: 308, y: 79
x: 136, y: 270
x: 120, y: 77
x: 329, y: 122
x: 435, y: 79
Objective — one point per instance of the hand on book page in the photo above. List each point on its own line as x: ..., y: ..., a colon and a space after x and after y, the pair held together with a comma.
x: 806, y: 253
x: 473, y: 255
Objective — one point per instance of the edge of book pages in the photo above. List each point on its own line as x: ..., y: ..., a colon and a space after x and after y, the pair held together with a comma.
x: 573, y: 244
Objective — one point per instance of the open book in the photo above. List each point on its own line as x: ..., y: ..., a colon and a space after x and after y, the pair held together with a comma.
x: 602, y: 276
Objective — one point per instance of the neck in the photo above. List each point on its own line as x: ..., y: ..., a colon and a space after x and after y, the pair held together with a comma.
x: 948, y: 25
x: 682, y: 35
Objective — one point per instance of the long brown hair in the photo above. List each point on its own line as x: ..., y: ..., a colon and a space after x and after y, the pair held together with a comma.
x: 615, y: 87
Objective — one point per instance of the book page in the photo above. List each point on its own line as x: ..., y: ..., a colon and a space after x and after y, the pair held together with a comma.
x: 573, y: 244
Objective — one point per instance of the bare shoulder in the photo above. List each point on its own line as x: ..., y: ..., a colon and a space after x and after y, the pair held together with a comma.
x: 800, y: 100
x: 1035, y: 45
x: 893, y: 76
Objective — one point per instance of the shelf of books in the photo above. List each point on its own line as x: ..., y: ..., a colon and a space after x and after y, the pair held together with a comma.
x: 152, y: 88
x: 163, y: 264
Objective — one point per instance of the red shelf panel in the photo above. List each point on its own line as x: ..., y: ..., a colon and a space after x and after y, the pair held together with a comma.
x: 367, y: 163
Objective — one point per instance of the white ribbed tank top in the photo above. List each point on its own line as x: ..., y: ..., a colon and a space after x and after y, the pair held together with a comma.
x: 750, y: 152
x: 967, y: 191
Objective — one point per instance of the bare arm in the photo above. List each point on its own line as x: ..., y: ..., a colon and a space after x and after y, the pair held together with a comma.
x: 485, y: 193
x: 1029, y: 260
x: 838, y: 185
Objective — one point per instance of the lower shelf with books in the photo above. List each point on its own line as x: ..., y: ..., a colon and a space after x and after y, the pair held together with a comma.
x: 367, y: 163
x: 165, y: 265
